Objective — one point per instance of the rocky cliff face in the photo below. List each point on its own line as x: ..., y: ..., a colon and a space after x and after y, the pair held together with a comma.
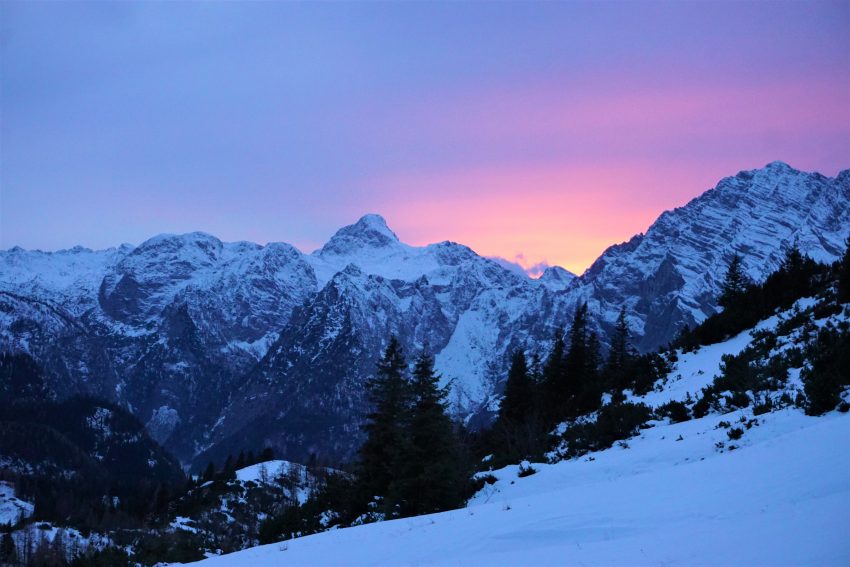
x: 219, y: 346
x: 671, y: 275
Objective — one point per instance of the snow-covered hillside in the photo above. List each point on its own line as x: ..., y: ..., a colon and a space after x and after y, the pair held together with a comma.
x: 671, y: 498
x: 12, y: 509
x: 731, y: 488
x: 231, y: 509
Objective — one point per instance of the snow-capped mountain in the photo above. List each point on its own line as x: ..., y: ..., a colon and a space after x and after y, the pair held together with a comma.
x: 670, y: 276
x: 219, y: 346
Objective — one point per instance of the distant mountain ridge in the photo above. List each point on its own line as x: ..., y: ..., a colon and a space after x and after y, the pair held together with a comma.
x: 218, y: 345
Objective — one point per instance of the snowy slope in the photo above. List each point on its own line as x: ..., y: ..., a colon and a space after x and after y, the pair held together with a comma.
x: 295, y: 476
x: 67, y: 278
x: 781, y: 499
x: 676, y: 494
x: 12, y: 509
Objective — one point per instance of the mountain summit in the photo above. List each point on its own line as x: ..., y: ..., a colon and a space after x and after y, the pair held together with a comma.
x: 371, y: 231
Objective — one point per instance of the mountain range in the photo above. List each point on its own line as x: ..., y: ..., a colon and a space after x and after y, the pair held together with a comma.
x: 222, y: 346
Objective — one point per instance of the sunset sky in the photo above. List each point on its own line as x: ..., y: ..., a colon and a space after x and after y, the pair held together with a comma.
x: 538, y: 132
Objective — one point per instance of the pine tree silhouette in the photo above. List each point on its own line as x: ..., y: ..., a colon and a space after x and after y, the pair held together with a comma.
x: 428, y: 474
x: 389, y: 393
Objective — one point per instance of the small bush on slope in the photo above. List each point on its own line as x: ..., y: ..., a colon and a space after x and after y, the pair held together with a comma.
x: 613, y: 423
x: 676, y: 411
x: 829, y: 370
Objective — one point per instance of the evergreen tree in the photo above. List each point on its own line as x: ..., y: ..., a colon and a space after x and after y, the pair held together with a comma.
x: 518, y: 401
x: 228, y: 472
x: 590, y: 395
x: 620, y: 356
x: 389, y: 393
x: 209, y: 472
x: 267, y: 454
x: 161, y: 497
x: 794, y: 259
x: 576, y: 361
x: 555, y: 387
x: 581, y: 365
x: 828, y: 372
x: 571, y: 383
x: 844, y: 275
x: 794, y: 279
x: 8, y: 552
x: 735, y: 284
x: 429, y: 477
x: 518, y: 432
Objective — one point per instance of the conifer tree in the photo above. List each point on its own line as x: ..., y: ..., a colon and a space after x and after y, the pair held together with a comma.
x: 519, y: 432
x: 571, y: 382
x: 844, y: 275
x: 793, y: 280
x: 229, y: 470
x: 389, y: 393
x: 428, y: 475
x: 8, y: 552
x: 828, y: 372
x: 518, y: 401
x: 555, y: 387
x: 209, y: 472
x: 793, y: 260
x: 590, y: 394
x: 594, y: 359
x: 620, y: 356
x: 267, y: 454
x: 734, y: 284
x: 576, y: 361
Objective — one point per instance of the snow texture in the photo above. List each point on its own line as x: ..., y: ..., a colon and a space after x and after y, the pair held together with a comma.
x: 12, y: 509
x: 781, y: 499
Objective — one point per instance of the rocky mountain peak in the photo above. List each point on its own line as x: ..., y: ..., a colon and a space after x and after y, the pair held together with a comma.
x: 556, y: 277
x: 371, y: 231
x: 779, y: 166
x: 165, y: 244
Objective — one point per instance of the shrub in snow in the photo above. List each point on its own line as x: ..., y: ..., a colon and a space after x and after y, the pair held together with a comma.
x: 737, y: 400
x: 735, y: 433
x: 829, y: 370
x: 674, y: 410
x: 525, y: 469
x: 613, y: 423
x: 763, y: 406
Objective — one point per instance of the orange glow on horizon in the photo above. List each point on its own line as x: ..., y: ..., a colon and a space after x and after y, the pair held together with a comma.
x: 556, y: 216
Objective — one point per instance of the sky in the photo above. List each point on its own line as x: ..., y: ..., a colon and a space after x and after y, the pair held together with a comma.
x: 537, y: 132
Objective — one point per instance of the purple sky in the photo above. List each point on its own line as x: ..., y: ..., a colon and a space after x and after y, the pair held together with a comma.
x: 540, y: 132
